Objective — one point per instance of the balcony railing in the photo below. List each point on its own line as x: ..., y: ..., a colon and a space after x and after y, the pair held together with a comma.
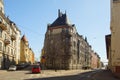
x: 3, y: 26
x: 13, y: 37
x: 7, y: 41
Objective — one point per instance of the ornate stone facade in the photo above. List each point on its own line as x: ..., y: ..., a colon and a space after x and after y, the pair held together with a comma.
x: 9, y: 40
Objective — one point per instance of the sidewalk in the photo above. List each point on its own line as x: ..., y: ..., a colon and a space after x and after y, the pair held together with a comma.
x: 1, y: 71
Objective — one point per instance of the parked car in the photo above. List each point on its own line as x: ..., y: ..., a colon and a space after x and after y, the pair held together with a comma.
x: 36, y: 69
x: 12, y: 68
x: 22, y: 65
x: 19, y: 66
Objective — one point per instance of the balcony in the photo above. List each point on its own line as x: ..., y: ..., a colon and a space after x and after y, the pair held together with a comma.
x: 7, y: 41
x: 13, y: 37
x: 3, y: 26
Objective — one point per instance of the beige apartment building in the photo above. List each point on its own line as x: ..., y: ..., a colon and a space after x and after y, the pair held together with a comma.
x: 9, y: 40
x: 113, y: 40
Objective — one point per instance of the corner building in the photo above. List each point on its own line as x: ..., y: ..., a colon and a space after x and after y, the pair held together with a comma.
x: 63, y: 47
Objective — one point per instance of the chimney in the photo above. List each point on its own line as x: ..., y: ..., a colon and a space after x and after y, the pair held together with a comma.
x: 58, y: 12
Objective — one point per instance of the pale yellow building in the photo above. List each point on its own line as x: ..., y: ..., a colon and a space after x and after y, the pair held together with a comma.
x: 31, y: 58
x: 26, y: 53
x: 115, y: 37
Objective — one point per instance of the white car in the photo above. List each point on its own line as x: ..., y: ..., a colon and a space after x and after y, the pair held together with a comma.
x: 12, y: 68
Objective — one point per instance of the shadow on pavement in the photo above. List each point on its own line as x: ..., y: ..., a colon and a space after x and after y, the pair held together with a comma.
x: 73, y: 77
x: 80, y: 76
x: 106, y: 75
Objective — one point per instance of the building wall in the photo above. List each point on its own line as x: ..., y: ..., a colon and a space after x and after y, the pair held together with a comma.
x: 9, y: 40
x: 115, y: 31
x: 66, y: 52
x: 18, y: 48
x: 22, y: 52
x: 108, y: 50
x: 8, y: 44
x: 15, y: 38
x: 31, y: 56
x: 26, y: 53
x: 58, y: 54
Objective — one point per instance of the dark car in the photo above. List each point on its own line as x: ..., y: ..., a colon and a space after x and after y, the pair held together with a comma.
x: 36, y: 69
x: 19, y: 66
x: 22, y: 66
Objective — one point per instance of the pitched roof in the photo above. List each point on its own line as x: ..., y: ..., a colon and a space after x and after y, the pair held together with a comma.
x: 61, y: 20
x: 24, y: 38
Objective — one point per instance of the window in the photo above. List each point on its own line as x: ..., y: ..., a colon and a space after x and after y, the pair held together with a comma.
x: 63, y: 30
x: 11, y: 51
x: 0, y: 46
x: 1, y: 8
x: 67, y: 31
x: 5, y: 36
x: 0, y: 33
x: 74, y: 61
x: 67, y: 40
x: 0, y: 61
x: 0, y: 19
x: 8, y: 30
x: 51, y: 41
x: 74, y: 44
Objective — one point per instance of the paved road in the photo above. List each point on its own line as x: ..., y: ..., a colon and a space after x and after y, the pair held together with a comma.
x: 59, y: 75
x: 91, y: 75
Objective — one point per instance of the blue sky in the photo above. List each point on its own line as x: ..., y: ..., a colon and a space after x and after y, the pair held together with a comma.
x: 91, y: 17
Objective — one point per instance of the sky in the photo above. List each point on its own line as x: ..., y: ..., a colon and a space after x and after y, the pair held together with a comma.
x: 91, y: 17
